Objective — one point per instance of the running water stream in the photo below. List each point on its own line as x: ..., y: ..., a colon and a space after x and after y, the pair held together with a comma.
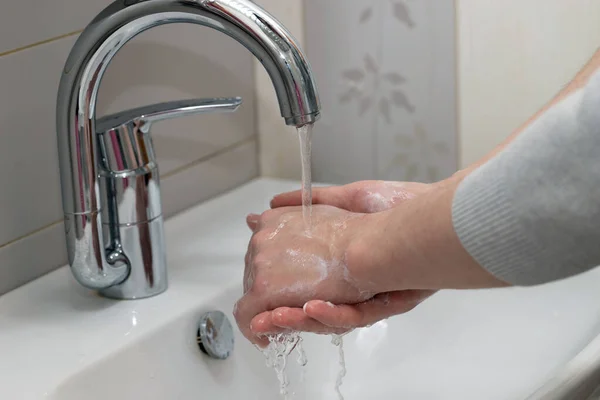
x: 281, y: 345
x: 305, y: 136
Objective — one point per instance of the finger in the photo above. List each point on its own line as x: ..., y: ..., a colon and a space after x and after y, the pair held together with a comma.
x: 369, y: 312
x: 248, y: 272
x: 295, y: 319
x: 242, y: 309
x: 353, y: 197
x: 274, y: 215
x: 263, y: 325
x: 252, y: 221
x: 333, y: 196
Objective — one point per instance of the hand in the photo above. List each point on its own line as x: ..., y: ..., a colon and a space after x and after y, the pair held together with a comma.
x: 359, y: 197
x: 317, y: 315
x: 287, y: 266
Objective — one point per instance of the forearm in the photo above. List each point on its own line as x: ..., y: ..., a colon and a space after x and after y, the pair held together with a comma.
x: 577, y: 83
x: 526, y: 217
x: 531, y: 214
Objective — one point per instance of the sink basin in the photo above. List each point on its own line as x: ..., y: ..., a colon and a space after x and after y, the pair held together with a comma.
x: 61, y: 342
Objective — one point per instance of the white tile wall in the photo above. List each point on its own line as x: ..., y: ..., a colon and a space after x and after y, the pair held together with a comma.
x: 514, y: 56
x: 199, y: 157
x: 27, y: 258
x: 180, y: 61
x: 23, y: 22
x: 30, y: 196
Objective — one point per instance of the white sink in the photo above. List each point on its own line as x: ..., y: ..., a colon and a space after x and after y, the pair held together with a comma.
x: 61, y: 342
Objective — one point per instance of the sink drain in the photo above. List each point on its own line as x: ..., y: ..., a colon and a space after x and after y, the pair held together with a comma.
x: 215, y: 335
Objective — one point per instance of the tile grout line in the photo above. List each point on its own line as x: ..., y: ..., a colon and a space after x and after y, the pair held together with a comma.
x: 35, y: 232
x: 176, y: 171
x: 457, y: 82
x: 32, y: 45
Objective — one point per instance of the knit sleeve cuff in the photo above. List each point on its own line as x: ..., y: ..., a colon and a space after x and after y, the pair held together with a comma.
x: 489, y: 229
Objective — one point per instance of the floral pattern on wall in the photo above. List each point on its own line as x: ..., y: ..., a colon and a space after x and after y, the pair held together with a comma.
x: 394, y: 124
x: 365, y: 87
x: 413, y: 149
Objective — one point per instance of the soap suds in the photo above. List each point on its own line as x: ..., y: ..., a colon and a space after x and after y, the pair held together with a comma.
x: 385, y: 195
x: 385, y: 298
x: 317, y: 270
x: 363, y: 294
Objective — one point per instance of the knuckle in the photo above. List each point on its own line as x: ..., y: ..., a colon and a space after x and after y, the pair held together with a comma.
x: 257, y: 281
x: 237, y: 310
x: 261, y: 261
x: 259, y: 238
x: 269, y: 215
x: 260, y: 285
x: 255, y: 241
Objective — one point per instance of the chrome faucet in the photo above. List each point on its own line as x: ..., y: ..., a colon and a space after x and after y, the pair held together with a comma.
x: 109, y: 175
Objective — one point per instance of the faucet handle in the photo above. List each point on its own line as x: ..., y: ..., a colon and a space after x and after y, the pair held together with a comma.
x: 123, y: 137
x: 144, y: 116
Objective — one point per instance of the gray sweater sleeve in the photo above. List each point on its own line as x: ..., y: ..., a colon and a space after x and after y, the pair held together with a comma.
x: 531, y: 215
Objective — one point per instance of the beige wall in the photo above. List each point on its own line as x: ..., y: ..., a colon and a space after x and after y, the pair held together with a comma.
x: 199, y: 157
x: 514, y: 55
x: 386, y: 71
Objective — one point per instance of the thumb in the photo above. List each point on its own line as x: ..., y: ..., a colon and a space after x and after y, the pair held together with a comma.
x: 333, y: 196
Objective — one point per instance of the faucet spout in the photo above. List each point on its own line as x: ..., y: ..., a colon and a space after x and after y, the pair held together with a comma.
x: 96, y: 253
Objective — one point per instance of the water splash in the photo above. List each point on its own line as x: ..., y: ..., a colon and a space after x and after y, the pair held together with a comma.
x: 276, y: 354
x: 302, y: 360
x: 338, y: 341
x: 281, y: 345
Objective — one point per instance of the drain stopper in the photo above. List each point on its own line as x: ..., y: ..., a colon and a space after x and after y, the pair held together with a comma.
x: 215, y: 335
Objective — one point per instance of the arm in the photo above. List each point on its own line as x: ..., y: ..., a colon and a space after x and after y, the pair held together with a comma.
x: 528, y: 213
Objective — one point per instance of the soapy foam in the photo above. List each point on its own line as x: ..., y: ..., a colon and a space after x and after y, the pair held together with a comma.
x: 384, y: 195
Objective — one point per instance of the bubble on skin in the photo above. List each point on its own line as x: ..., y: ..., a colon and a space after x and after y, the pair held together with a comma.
x: 324, y: 269
x: 384, y: 195
x: 321, y: 270
x: 249, y: 281
x: 307, y: 260
x: 385, y: 299
x: 363, y: 294
x: 320, y: 266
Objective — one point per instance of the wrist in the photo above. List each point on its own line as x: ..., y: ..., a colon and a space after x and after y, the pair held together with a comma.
x: 437, y: 258
x: 414, y: 246
x: 368, y: 258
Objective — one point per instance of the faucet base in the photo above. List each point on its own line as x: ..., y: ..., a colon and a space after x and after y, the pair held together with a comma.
x: 144, y: 246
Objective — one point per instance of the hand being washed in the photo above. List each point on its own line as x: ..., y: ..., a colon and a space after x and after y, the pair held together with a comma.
x: 292, y: 280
